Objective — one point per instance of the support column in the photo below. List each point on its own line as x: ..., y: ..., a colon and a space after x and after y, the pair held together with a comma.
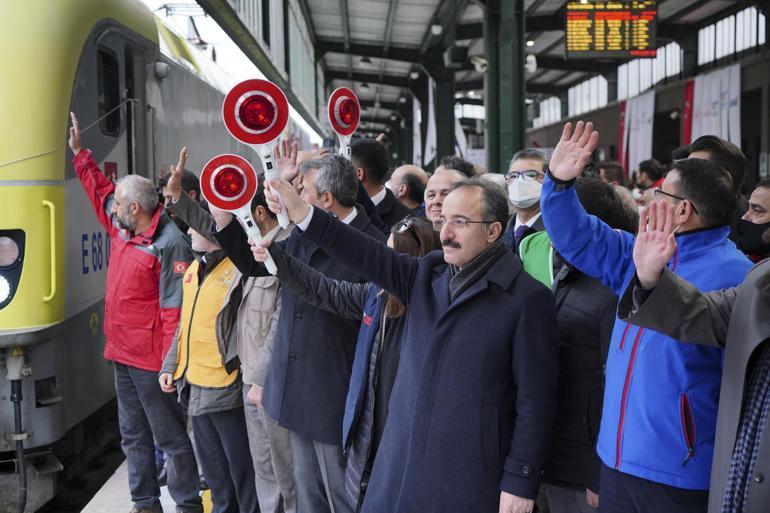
x: 444, y: 105
x: 511, y: 107
x: 492, y: 87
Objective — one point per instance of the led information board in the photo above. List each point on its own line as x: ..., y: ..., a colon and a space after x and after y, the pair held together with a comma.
x: 611, y: 29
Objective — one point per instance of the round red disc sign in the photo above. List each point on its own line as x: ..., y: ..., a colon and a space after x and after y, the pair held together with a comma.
x: 344, y: 111
x: 255, y: 111
x: 228, y: 182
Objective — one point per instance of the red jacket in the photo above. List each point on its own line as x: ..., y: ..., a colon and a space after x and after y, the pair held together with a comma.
x: 144, y: 277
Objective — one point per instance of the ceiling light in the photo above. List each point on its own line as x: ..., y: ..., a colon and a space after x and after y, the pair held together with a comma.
x: 377, y: 104
x: 402, y: 99
x: 414, y: 75
x: 393, y: 117
x: 471, y: 94
x: 436, y: 29
x: 529, y: 101
x: 530, y: 43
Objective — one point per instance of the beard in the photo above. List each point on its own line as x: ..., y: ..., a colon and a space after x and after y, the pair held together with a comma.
x: 128, y: 223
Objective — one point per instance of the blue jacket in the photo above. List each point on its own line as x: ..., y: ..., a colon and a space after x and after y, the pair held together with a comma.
x: 474, y: 400
x: 660, y: 396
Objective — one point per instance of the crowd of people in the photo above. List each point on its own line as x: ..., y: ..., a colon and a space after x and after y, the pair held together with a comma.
x: 551, y: 338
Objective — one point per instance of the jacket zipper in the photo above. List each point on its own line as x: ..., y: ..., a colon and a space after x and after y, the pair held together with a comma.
x: 624, y: 398
x: 688, y: 426
x: 629, y: 372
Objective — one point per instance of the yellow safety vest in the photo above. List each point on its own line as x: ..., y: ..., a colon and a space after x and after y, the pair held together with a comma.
x: 198, y: 357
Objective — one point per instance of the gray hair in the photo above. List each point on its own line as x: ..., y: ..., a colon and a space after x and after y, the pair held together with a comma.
x: 495, y: 206
x: 336, y: 175
x: 140, y: 189
x: 530, y: 154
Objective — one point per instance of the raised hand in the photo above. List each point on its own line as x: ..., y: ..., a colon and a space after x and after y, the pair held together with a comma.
x: 221, y: 217
x: 285, y: 154
x: 259, y: 250
x: 573, y: 151
x: 174, y: 184
x: 655, y: 242
x: 295, y: 207
x: 74, y: 141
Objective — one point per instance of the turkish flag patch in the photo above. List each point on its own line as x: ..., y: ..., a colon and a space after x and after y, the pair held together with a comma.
x: 180, y: 267
x: 367, y: 319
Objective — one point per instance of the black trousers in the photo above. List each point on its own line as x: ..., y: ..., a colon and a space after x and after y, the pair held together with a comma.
x: 223, y: 450
x: 624, y: 493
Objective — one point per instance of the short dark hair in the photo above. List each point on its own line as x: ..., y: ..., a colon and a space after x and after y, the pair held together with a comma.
x: 681, y: 153
x: 336, y: 175
x: 372, y: 157
x: 709, y: 188
x: 259, y: 198
x: 415, y: 187
x: 495, y: 206
x: 725, y: 154
x: 530, y: 154
x: 765, y: 184
x: 458, y: 164
x: 613, y: 171
x: 600, y: 199
x: 652, y: 169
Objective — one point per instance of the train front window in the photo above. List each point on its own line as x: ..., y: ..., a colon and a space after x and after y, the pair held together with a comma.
x: 108, y: 91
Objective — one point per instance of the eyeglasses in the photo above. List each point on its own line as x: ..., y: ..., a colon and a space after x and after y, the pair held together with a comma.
x: 657, y: 193
x: 531, y: 174
x: 458, y: 223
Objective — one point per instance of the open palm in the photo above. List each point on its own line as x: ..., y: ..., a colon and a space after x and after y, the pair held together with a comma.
x: 655, y: 242
x: 573, y: 151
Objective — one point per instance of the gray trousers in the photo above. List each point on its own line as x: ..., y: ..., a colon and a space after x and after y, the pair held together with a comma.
x: 144, y: 412
x: 319, y: 474
x: 272, y: 456
x: 567, y: 500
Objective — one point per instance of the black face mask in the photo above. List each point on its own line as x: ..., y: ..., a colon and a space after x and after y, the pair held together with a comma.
x: 752, y: 238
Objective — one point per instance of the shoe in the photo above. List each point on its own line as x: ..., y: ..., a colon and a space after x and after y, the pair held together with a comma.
x: 155, y: 509
x: 162, y: 477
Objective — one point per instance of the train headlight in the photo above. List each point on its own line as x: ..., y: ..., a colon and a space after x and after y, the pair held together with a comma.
x: 5, y: 290
x: 9, y: 252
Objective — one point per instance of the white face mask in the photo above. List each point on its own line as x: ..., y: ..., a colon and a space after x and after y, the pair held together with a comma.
x: 524, y: 192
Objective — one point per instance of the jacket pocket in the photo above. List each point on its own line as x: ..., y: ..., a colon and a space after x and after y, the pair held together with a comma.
x: 490, y: 435
x: 688, y: 426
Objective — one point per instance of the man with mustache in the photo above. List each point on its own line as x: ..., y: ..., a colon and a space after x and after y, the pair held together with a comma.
x: 148, y: 259
x: 734, y: 319
x: 473, y: 404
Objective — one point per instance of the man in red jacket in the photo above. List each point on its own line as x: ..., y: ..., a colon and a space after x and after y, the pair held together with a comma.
x: 148, y: 259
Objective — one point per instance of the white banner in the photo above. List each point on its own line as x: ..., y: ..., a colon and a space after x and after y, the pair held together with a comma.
x: 637, y: 133
x: 430, y: 135
x: 416, y: 133
x: 717, y: 104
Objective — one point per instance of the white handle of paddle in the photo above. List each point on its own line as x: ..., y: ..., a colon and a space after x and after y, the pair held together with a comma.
x: 252, y: 232
x: 271, y: 174
x: 344, y: 145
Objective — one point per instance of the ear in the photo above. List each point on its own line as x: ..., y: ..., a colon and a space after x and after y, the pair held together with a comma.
x: 193, y: 194
x: 327, y: 200
x: 259, y: 213
x: 494, y: 231
x: 361, y: 174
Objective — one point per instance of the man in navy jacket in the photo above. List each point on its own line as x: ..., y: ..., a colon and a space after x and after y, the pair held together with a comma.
x: 475, y: 396
x: 307, y: 383
x: 660, y: 399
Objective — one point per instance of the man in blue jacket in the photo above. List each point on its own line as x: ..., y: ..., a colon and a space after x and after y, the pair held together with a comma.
x: 473, y: 403
x: 660, y: 401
